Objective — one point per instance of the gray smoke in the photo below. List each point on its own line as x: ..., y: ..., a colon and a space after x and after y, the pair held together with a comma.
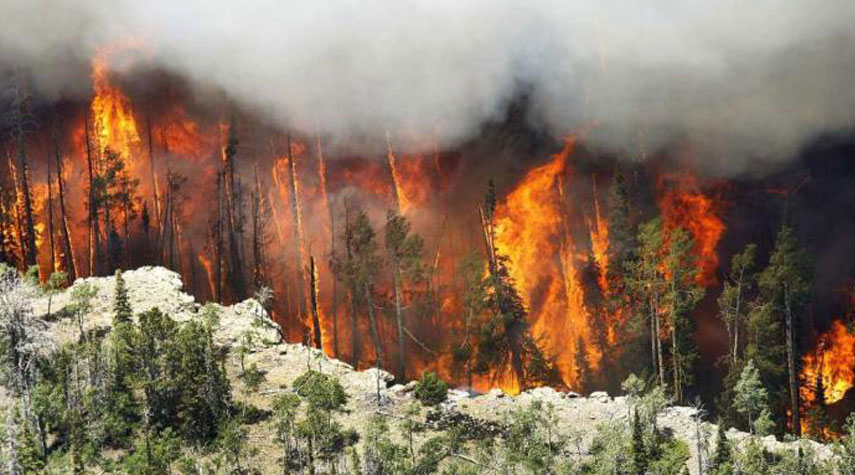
x: 742, y: 82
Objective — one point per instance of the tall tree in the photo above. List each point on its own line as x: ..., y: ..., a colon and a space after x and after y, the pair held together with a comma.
x: 785, y: 284
x: 261, y: 216
x: 405, y: 251
x: 681, y: 296
x: 235, y: 269
x: 646, y: 284
x: 733, y: 301
x: 505, y: 340
x: 68, y: 251
x: 358, y: 268
x: 297, y: 227
x: 751, y: 395
x: 21, y: 124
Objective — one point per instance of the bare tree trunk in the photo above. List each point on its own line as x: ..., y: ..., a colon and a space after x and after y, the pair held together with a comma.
x: 94, y: 230
x: 154, y: 186
x: 791, y: 369
x: 298, y: 241
x: 313, y: 289
x: 372, y: 324
x: 68, y: 252
x: 49, y: 216
x: 218, y: 243
x: 334, y: 305
x: 19, y: 124
x: 399, y: 320
x: 236, y: 278
x: 355, y: 341
x: 322, y: 175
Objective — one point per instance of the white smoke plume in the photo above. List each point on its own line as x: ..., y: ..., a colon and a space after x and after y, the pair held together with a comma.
x: 741, y: 81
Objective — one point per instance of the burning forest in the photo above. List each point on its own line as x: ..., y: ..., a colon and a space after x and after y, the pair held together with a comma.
x: 513, y: 256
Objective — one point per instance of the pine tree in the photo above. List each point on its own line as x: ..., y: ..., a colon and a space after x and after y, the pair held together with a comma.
x: 405, y: 250
x: 358, y: 269
x: 21, y: 124
x: 785, y: 285
x: 733, y: 301
x: 751, y: 396
x: 721, y: 464
x: 122, y: 312
x: 640, y: 457
x: 682, y: 294
x: 646, y: 285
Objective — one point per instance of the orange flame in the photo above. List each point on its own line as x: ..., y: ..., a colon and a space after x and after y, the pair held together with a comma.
x: 683, y: 205
x: 833, y: 359
x: 532, y: 231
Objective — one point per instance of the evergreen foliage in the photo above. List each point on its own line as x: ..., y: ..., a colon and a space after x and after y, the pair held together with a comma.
x: 431, y: 390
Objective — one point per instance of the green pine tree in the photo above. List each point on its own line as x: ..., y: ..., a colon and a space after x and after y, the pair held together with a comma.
x: 721, y: 463
x: 640, y: 457
x: 751, y: 396
x: 122, y: 312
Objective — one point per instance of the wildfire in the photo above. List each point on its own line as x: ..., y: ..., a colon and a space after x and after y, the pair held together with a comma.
x: 833, y: 359
x: 599, y: 230
x: 532, y: 230
x: 112, y: 117
x: 683, y: 204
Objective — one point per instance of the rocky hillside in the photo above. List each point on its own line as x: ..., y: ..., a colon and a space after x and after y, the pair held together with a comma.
x: 369, y: 391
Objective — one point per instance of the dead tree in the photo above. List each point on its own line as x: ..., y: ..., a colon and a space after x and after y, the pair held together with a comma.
x: 235, y: 273
x: 298, y: 240
x: 313, y: 294
x: 21, y: 124
x: 322, y: 175
x: 68, y: 251
x: 92, y: 218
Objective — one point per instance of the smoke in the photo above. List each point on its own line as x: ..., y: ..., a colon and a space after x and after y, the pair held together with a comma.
x: 742, y: 82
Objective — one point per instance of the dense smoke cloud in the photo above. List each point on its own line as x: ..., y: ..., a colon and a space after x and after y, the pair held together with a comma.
x: 741, y: 81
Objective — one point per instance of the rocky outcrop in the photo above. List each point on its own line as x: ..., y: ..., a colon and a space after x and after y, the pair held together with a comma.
x: 370, y: 390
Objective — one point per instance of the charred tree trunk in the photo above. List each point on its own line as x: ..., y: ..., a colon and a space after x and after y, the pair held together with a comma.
x: 355, y: 343
x: 334, y: 305
x: 322, y: 175
x: 258, y: 259
x: 19, y: 124
x: 68, y: 252
x: 236, y: 277
x: 218, y: 238
x: 313, y: 289
x: 298, y: 241
x: 49, y: 215
x: 94, y: 229
x: 154, y: 186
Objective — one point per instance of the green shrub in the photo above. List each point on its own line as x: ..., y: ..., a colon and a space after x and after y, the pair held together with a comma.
x: 431, y: 390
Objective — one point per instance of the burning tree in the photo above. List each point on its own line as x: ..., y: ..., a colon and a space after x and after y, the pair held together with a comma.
x: 505, y: 345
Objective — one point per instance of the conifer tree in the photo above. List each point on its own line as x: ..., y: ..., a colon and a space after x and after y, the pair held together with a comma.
x: 405, y: 250
x: 640, y: 457
x: 785, y: 285
x: 682, y: 294
x: 721, y: 464
x: 751, y: 396
x: 122, y: 312
x: 733, y: 301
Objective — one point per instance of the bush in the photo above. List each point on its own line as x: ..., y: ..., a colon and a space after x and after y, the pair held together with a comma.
x: 431, y: 390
